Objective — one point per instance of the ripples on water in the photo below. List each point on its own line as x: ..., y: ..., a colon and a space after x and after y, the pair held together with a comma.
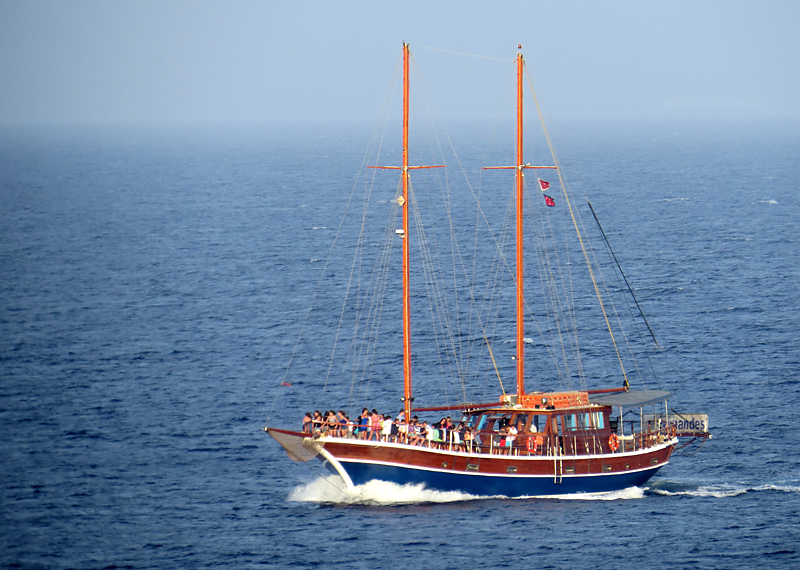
x: 153, y: 285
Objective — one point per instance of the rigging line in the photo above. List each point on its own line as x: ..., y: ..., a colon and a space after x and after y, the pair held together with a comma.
x: 568, y: 293
x: 364, y: 160
x: 455, y: 345
x: 580, y: 237
x: 630, y: 289
x: 441, y: 307
x: 466, y: 54
x: 436, y: 299
x: 462, y: 362
x: 617, y: 274
x: 527, y: 306
x: 487, y: 305
x: 567, y: 278
x: 616, y: 313
x: 549, y: 289
x: 477, y: 197
x: 363, y: 345
x: 472, y: 299
x: 359, y: 246
x: 376, y: 290
x: 369, y: 183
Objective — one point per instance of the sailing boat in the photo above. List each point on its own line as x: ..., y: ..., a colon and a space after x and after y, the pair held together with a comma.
x: 526, y: 444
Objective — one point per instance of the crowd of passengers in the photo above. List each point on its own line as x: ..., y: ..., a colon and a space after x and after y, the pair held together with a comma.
x: 372, y: 426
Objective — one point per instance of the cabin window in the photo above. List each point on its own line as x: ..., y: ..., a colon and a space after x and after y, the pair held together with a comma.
x: 538, y: 423
x: 598, y: 420
x: 516, y: 419
x: 570, y: 422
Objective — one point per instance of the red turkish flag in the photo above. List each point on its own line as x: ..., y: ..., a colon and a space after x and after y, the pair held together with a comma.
x: 543, y: 185
x: 549, y: 201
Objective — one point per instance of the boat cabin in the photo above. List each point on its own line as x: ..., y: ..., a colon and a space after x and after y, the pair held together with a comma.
x: 574, y: 423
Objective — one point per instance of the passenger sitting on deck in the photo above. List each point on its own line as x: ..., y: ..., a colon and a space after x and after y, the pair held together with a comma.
x: 307, y: 423
x: 427, y: 433
x: 414, y: 429
x: 402, y: 428
x: 469, y: 437
x: 458, y: 436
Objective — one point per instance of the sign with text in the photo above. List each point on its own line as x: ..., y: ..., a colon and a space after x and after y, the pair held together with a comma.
x: 685, y: 424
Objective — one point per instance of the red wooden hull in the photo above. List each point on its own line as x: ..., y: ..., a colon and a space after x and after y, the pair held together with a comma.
x: 358, y: 461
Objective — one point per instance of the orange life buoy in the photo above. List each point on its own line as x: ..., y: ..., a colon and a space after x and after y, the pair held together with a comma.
x: 533, y: 444
x: 613, y: 442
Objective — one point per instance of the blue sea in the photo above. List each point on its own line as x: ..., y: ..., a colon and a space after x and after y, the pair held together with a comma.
x: 154, y: 282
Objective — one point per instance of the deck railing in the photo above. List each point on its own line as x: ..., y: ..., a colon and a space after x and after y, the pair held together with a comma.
x: 536, y: 444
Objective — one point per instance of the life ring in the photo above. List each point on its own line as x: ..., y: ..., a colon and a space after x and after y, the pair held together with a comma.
x: 613, y: 442
x: 533, y: 445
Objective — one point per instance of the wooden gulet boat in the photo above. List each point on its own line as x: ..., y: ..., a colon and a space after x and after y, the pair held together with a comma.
x: 525, y: 444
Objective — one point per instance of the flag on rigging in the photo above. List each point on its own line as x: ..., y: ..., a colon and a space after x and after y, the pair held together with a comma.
x: 549, y: 201
x: 543, y: 185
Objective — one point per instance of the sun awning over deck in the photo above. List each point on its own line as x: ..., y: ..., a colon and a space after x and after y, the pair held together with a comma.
x: 631, y: 399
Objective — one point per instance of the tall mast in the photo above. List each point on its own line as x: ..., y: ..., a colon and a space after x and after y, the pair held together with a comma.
x: 406, y: 271
x: 520, y: 274
x: 403, y: 202
x: 519, y: 169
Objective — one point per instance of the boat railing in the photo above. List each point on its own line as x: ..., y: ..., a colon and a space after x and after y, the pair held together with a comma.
x: 524, y: 444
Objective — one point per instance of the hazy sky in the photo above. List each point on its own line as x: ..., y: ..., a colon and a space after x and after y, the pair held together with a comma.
x: 252, y: 61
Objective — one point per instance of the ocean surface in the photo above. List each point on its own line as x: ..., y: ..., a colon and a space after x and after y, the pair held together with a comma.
x: 153, y: 284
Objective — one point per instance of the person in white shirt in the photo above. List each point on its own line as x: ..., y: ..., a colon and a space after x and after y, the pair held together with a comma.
x: 386, y: 429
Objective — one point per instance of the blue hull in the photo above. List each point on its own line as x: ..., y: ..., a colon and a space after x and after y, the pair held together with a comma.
x: 490, y: 485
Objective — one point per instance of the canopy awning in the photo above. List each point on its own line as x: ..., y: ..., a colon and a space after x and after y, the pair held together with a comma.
x: 631, y: 399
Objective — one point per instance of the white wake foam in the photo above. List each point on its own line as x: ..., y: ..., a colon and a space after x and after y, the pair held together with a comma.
x: 722, y: 491
x: 331, y: 489
x: 622, y: 494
